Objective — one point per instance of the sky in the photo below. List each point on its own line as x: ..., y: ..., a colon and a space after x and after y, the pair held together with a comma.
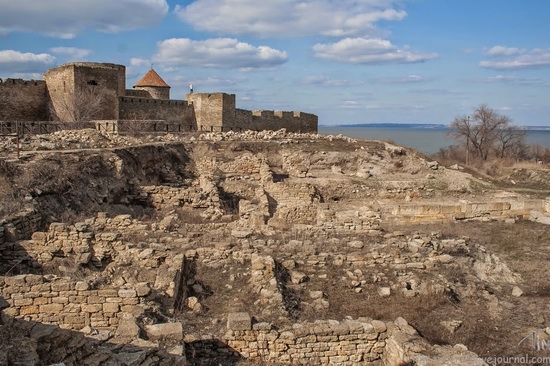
x: 348, y: 61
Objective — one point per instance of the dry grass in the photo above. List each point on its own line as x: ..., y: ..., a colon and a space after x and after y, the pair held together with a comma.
x: 494, y: 327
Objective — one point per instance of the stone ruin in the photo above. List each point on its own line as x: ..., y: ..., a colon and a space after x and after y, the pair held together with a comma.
x: 255, y: 247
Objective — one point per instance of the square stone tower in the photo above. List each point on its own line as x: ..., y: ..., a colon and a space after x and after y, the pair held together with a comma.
x: 213, y: 111
x: 82, y: 91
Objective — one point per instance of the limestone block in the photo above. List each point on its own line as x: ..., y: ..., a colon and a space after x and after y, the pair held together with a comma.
x: 39, y: 236
x: 357, y: 244
x: 95, y: 300
x: 61, y: 285
x: 60, y: 300
x: 113, y: 299
x: 91, y: 308
x: 379, y: 326
x: 142, y: 289
x: 130, y: 301
x: 127, y: 292
x: 107, y: 292
x: 33, y: 279
x: 167, y: 331
x: 239, y: 321
x: 18, y: 280
x: 127, y: 327
x: 110, y: 307
x: 81, y: 286
x: 51, y: 308
x: 297, y: 277
x: 517, y: 292
x: 22, y: 302
x: 384, y: 291
x: 29, y: 310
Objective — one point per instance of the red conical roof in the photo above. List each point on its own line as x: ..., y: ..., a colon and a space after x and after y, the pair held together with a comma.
x: 151, y: 78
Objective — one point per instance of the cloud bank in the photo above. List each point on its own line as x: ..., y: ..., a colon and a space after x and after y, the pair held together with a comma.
x: 64, y: 19
x: 18, y: 62
x: 509, y: 58
x: 289, y: 18
x: 367, y: 51
x: 221, y: 53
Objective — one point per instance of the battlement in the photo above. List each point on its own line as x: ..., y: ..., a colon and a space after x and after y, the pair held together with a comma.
x: 91, y: 65
x: 278, y: 114
x: 10, y: 81
x: 258, y: 120
x: 142, y: 100
x: 70, y: 85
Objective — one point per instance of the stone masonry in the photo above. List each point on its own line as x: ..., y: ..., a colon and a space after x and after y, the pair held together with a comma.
x: 67, y: 303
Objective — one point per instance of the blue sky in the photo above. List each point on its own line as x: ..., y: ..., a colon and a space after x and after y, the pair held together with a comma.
x: 348, y: 61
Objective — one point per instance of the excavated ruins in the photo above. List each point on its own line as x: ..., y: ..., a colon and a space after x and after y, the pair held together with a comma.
x: 263, y: 248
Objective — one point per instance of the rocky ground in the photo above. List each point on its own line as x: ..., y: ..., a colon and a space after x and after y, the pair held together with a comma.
x: 289, y: 228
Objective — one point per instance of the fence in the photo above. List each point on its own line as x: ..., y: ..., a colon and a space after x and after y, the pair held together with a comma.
x: 140, y: 126
x: 17, y: 129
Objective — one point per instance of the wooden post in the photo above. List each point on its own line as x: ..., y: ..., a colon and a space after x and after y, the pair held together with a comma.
x: 17, y: 139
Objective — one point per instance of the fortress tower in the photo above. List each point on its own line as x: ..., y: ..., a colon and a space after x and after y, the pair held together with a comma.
x: 152, y: 83
x: 74, y: 86
x: 213, y: 111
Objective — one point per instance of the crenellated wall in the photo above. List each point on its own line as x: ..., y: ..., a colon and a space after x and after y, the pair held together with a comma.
x: 138, y: 93
x: 83, y: 91
x: 275, y: 120
x: 216, y: 112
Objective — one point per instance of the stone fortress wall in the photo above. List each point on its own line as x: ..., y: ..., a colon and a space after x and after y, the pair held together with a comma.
x: 23, y: 100
x: 171, y: 111
x: 69, y: 87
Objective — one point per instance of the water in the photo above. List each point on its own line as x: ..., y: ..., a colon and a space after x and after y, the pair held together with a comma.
x: 426, y: 140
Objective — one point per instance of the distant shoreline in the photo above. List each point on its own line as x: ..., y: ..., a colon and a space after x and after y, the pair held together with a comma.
x: 418, y: 126
x: 423, y: 137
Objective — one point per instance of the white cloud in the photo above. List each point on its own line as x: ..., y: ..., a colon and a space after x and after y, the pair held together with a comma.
x: 366, y: 105
x: 64, y: 19
x: 364, y: 51
x: 326, y: 81
x: 222, y: 53
x: 296, y: 18
x: 212, y: 81
x: 513, y: 80
x: 18, y: 62
x: 137, y: 62
x: 403, y: 80
x: 27, y: 75
x: 75, y: 54
x: 503, y: 51
x: 506, y: 58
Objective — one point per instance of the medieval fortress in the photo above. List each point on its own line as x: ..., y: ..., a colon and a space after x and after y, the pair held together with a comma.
x: 82, y: 91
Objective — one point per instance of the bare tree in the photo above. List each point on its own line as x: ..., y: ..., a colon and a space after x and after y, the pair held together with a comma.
x: 14, y: 103
x: 85, y: 104
x: 510, y: 142
x: 486, y: 132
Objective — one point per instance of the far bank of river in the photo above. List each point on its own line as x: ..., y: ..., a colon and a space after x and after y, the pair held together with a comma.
x: 426, y: 140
